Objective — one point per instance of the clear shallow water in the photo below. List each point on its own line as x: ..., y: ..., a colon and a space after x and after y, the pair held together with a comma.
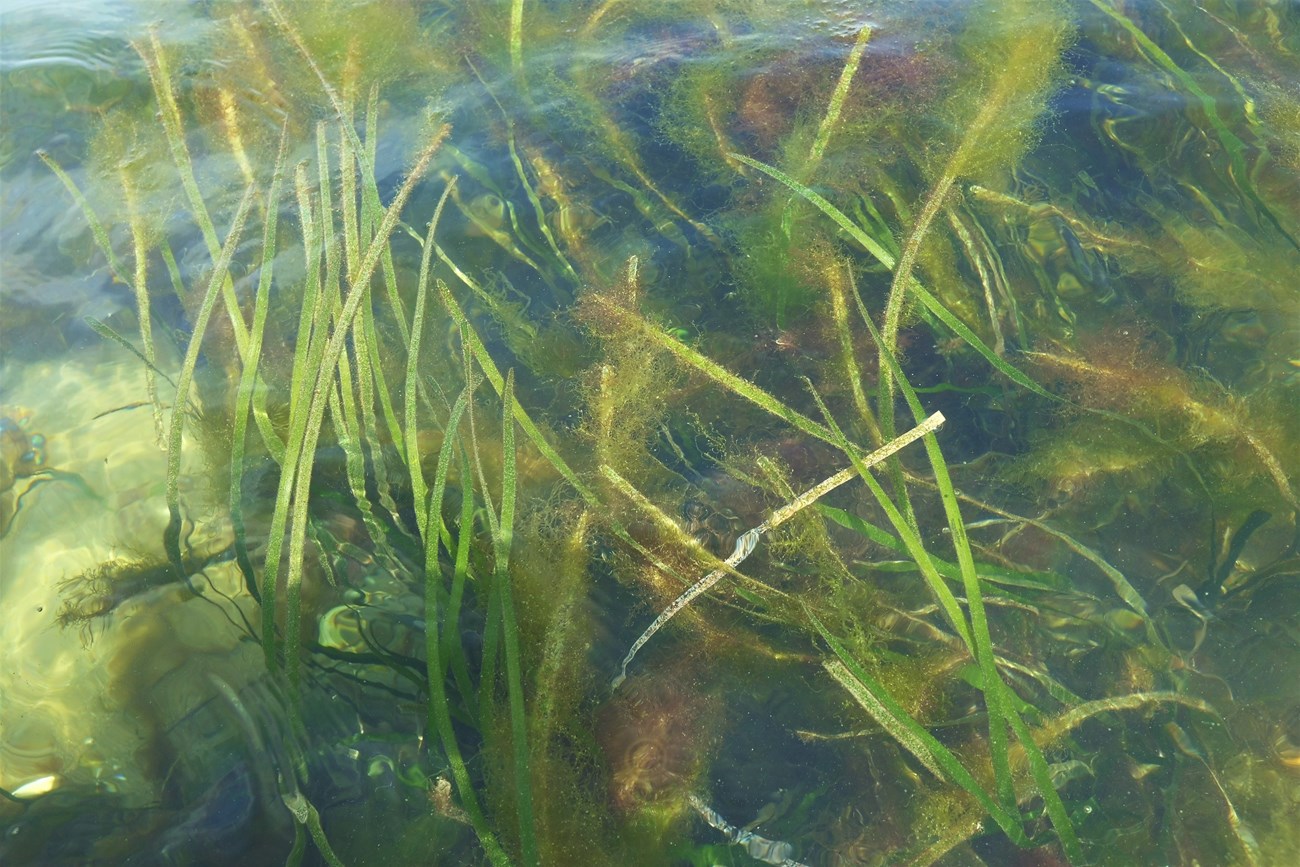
x: 1100, y: 201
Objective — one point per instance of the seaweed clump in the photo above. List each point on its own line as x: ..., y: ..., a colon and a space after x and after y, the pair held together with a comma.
x: 480, y: 378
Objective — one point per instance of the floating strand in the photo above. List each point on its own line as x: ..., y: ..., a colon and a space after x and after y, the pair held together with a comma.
x: 745, y: 546
x: 758, y: 848
x: 748, y: 540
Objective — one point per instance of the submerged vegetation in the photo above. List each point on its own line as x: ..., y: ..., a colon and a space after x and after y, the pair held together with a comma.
x: 507, y: 330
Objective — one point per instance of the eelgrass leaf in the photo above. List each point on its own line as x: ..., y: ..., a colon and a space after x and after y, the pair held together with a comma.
x: 933, y: 304
x: 870, y: 244
x: 539, y: 440
x: 373, y: 212
x: 490, y: 586
x: 248, y: 376
x: 160, y: 76
x: 311, y: 821
x: 372, y: 209
x: 97, y: 230
x: 1062, y: 724
x: 867, y: 696
x: 836, y: 104
x: 299, y: 848
x: 563, y: 633
x: 509, y: 480
x: 370, y: 384
x: 1042, y: 775
x: 345, y: 417
x: 831, y: 435
x: 1232, y: 144
x: 453, y: 649
x: 748, y: 541
x: 836, y: 278
x: 352, y: 416
x: 1007, y: 577
x: 358, y: 281
x: 348, y: 216
x: 438, y: 632
x: 392, y: 428
x: 173, y: 270
x: 108, y: 333
x: 510, y: 628
x: 1123, y: 587
x: 410, y: 434
x: 915, y: 736
x: 172, y: 535
x: 539, y: 212
x: 744, y: 545
x: 138, y: 284
x: 915, y: 547
x: 490, y: 301
x: 829, y: 120
x: 719, y: 374
x: 997, y: 694
x: 517, y: 39
x: 996, y: 697
x: 309, y: 346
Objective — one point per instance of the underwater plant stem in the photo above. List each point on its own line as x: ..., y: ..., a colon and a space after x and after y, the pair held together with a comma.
x: 305, y: 813
x: 748, y: 540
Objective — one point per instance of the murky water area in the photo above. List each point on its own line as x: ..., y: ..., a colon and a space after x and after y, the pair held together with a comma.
x: 649, y: 433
